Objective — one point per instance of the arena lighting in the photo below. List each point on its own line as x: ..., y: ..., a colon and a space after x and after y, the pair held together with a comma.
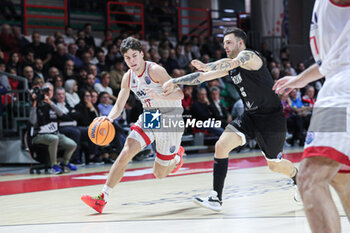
x: 228, y: 19
x: 243, y: 16
x: 220, y: 35
x: 229, y: 10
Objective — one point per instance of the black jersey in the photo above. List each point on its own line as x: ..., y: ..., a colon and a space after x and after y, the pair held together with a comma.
x: 255, y: 89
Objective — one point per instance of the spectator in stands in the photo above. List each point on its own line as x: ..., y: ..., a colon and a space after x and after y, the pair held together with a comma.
x: 81, y: 77
x: 28, y: 73
x: 81, y: 47
x: 195, y: 47
x: 309, y: 102
x: 68, y: 71
x: 41, y: 50
x: 43, y: 117
x: 187, y: 101
x: 89, y: 39
x: 94, y: 60
x: 4, y: 81
x: 288, y: 69
x: 58, y: 81
x: 88, y: 112
x: 182, y: 60
x: 68, y: 126
x: 94, y: 70
x: 89, y: 83
x: 202, y: 110
x: 38, y: 82
x: 86, y: 58
x: 19, y: 37
x: 13, y: 62
x: 294, y: 121
x: 8, y: 41
x: 276, y: 73
x: 71, y: 55
x: 68, y: 36
x: 218, y: 108
x: 101, y: 65
x: 94, y: 98
x: 27, y: 59
x: 116, y: 75
x: 188, y: 52
x: 112, y: 54
x: 53, y: 72
x: 59, y: 57
x: 38, y: 68
x: 300, y: 67
x: 104, y: 86
x: 299, y: 109
x: 50, y: 43
x: 71, y: 89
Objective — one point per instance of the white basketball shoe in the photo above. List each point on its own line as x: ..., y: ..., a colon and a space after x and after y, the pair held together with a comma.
x: 212, y: 202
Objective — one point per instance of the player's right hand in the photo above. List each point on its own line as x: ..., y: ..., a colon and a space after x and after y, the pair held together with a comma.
x: 103, y: 118
x: 287, y: 84
x: 199, y: 65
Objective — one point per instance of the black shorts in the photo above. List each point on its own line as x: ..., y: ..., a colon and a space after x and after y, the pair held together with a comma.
x: 269, y: 130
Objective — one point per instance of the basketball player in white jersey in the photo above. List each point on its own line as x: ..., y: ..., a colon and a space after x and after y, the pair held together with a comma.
x: 145, y: 79
x: 327, y: 150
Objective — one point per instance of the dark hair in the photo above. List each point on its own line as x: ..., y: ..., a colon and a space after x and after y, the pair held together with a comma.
x: 130, y: 43
x: 237, y: 32
x: 101, y: 94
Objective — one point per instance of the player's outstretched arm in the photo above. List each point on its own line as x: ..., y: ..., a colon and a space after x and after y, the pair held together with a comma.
x: 121, y: 99
x: 287, y: 83
x: 245, y: 59
x: 192, y: 79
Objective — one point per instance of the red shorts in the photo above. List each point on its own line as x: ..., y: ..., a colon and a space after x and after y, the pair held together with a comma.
x: 329, y: 152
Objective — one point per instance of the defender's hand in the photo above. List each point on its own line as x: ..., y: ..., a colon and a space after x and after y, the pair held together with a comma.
x: 199, y: 65
x: 168, y: 86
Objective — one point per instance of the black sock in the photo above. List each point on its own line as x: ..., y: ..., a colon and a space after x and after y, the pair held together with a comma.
x: 219, y: 173
x: 294, y: 178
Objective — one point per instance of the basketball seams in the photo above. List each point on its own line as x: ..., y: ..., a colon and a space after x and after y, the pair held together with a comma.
x: 106, y: 135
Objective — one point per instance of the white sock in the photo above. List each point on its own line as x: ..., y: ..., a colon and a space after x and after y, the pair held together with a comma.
x: 177, y: 159
x: 106, y: 191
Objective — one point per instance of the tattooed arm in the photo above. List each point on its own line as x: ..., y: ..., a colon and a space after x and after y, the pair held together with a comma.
x: 245, y: 59
x: 193, y: 79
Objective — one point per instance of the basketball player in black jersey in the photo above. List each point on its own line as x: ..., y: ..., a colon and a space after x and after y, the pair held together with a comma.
x: 263, y: 117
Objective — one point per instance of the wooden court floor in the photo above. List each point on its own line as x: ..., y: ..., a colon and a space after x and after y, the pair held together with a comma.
x: 255, y: 200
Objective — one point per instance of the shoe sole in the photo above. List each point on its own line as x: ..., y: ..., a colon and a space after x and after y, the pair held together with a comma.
x: 200, y: 203
x: 181, y: 154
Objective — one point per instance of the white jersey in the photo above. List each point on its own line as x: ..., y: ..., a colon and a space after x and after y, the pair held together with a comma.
x: 330, y: 36
x: 138, y: 84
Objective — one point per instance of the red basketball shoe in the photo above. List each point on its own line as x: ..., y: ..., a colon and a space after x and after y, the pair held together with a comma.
x: 181, y: 154
x: 97, y: 203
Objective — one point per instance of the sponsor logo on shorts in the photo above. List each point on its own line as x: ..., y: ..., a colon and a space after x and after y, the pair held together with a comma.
x: 309, y: 137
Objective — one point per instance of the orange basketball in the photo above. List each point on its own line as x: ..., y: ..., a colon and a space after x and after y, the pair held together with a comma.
x: 101, y: 132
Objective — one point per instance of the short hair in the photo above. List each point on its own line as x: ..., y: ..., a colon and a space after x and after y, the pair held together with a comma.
x: 130, y: 43
x: 59, y: 89
x: 239, y: 33
x: 212, y: 89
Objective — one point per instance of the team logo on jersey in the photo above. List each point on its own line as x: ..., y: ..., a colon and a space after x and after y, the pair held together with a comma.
x: 152, y: 119
x: 148, y: 80
x: 309, y: 137
x: 172, y: 149
x: 237, y: 79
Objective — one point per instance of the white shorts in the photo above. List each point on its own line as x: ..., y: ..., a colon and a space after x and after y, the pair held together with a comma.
x: 167, y: 141
x: 329, y: 131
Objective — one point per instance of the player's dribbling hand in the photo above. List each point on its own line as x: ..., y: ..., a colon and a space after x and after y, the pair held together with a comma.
x: 286, y: 84
x: 168, y: 87
x: 103, y: 118
x: 199, y: 65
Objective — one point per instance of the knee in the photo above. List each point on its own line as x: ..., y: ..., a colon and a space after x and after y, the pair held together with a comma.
x: 274, y: 166
x: 306, y: 180
x: 125, y: 156
x: 220, y: 148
